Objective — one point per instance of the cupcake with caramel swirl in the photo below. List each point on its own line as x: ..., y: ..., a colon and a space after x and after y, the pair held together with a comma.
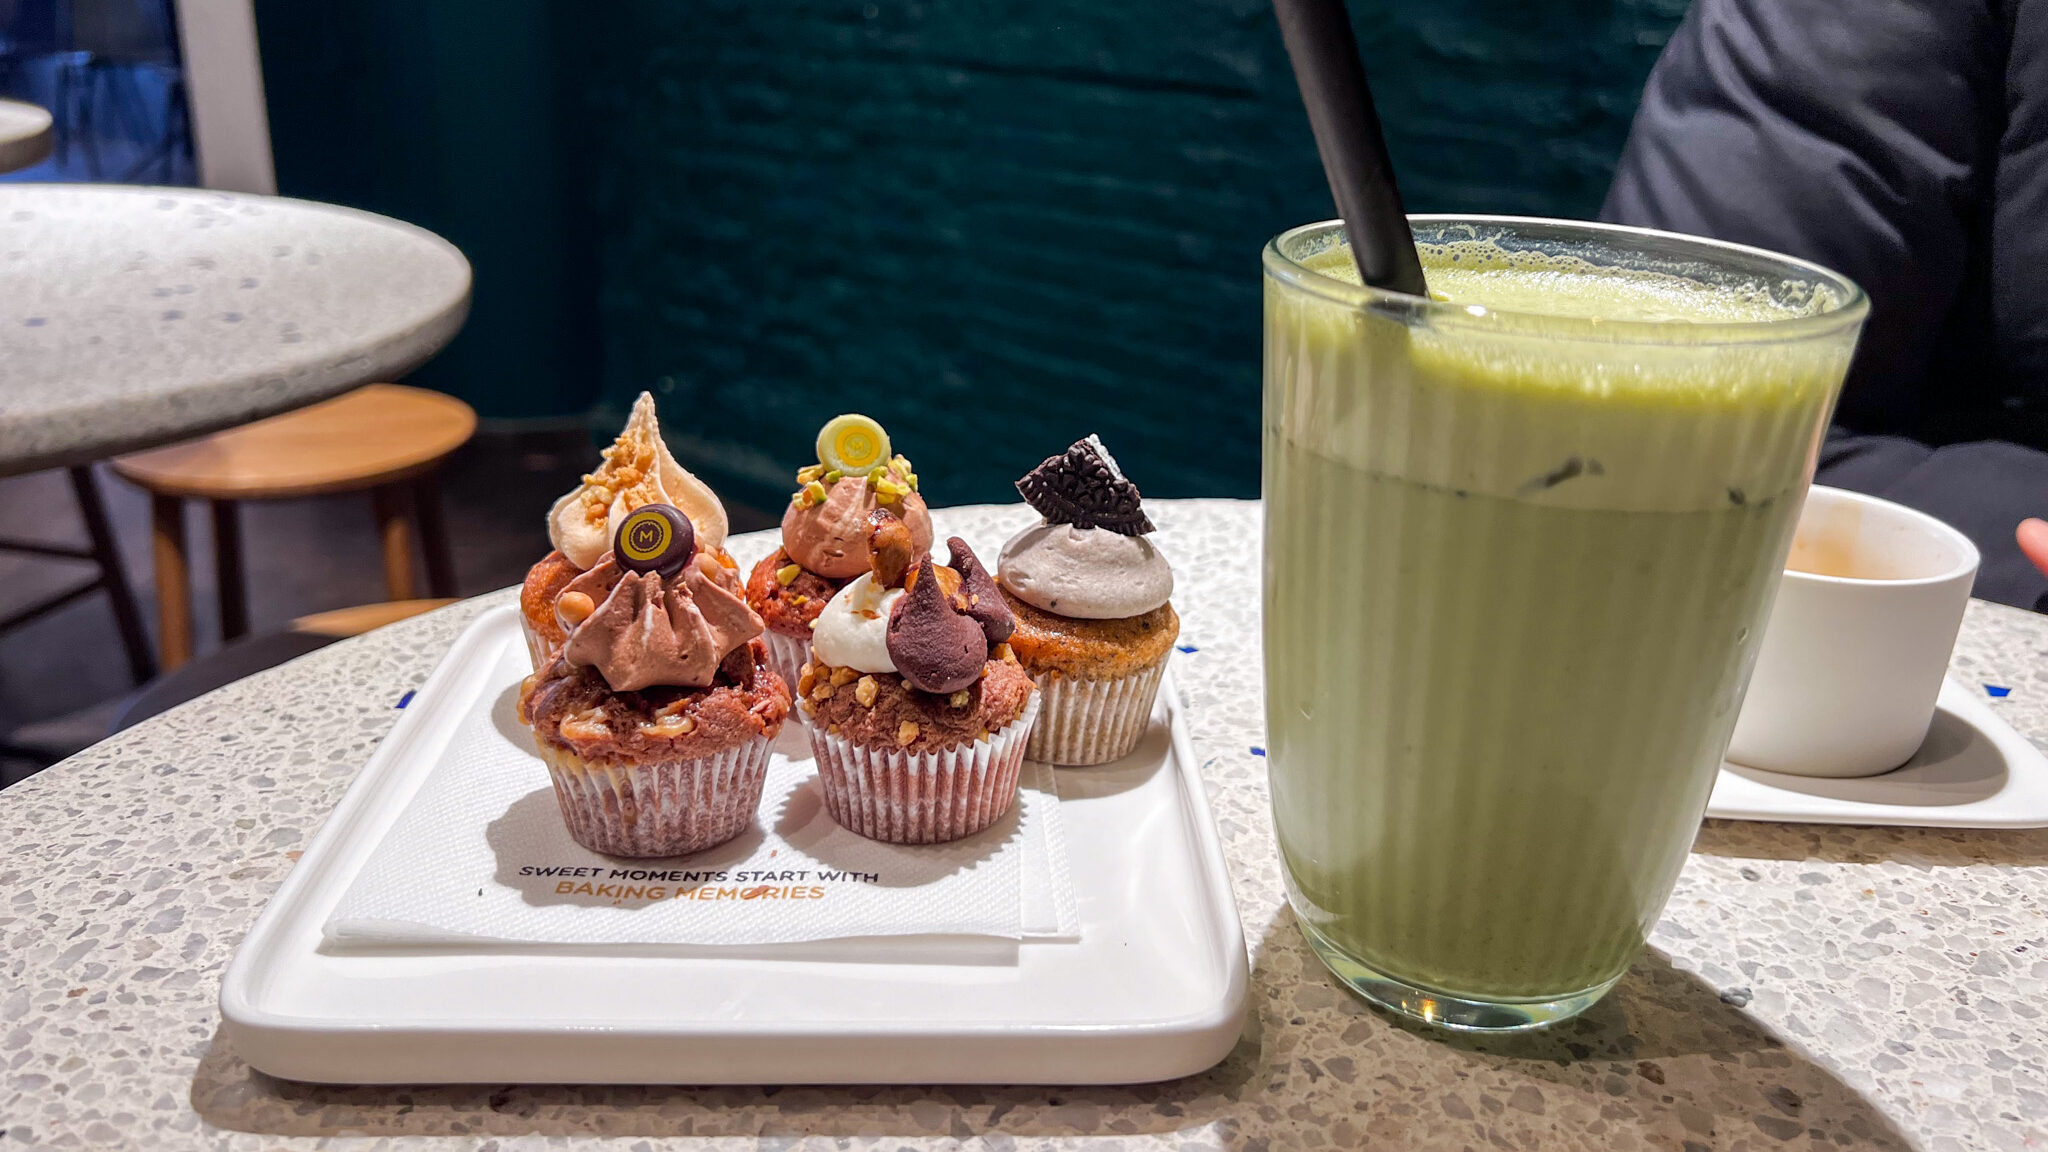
x: 637, y: 470
x: 917, y: 711
x: 825, y: 532
x: 657, y: 714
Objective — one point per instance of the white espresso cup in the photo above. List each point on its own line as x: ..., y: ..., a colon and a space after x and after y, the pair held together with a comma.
x: 1853, y: 656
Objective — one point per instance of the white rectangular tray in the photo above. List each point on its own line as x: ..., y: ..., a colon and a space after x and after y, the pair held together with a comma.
x: 1974, y: 771
x: 1155, y: 988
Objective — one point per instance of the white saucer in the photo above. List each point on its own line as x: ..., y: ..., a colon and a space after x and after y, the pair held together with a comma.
x: 1974, y: 771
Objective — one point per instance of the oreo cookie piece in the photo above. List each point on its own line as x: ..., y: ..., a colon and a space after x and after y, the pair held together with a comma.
x: 1084, y: 487
x: 655, y: 538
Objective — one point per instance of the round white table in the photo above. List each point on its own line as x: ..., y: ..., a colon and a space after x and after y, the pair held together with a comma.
x: 131, y: 317
x: 24, y: 135
x: 1882, y: 987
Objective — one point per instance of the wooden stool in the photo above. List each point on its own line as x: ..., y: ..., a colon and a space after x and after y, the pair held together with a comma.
x: 384, y: 437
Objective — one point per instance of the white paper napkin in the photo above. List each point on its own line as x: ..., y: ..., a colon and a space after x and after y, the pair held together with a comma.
x: 481, y: 855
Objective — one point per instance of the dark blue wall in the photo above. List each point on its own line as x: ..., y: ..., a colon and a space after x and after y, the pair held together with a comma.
x: 465, y: 117
x: 998, y: 226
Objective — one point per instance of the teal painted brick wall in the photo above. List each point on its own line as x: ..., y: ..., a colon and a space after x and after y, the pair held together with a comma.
x: 998, y: 226
x: 462, y: 116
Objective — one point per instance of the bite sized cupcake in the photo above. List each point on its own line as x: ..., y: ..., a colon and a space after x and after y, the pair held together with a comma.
x: 657, y: 716
x: 917, y: 712
x: 637, y: 470
x: 1090, y: 594
x: 825, y: 532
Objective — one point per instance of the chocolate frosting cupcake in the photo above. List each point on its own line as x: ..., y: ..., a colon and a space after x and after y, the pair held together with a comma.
x: 916, y: 708
x: 657, y: 716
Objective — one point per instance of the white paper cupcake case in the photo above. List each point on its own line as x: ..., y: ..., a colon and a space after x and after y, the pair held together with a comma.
x: 662, y: 808
x: 1094, y: 721
x: 787, y: 655
x: 925, y: 797
x: 536, y: 647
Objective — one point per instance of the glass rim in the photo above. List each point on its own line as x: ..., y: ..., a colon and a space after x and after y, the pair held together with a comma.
x: 1852, y: 304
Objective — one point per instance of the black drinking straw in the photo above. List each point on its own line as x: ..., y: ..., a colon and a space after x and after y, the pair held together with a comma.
x: 1347, y: 128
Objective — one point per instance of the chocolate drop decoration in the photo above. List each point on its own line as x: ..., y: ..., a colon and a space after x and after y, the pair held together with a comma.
x: 978, y: 591
x: 1083, y: 487
x: 936, y: 649
x: 655, y: 538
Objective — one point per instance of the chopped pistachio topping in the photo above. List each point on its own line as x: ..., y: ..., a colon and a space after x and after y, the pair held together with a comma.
x: 787, y: 574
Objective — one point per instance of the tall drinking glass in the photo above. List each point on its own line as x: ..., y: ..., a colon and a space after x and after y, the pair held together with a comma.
x: 1519, y: 547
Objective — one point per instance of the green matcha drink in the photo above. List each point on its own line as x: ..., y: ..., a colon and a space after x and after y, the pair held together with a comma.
x: 1519, y: 543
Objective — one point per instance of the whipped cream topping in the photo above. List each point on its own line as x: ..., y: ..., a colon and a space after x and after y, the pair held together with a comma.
x: 853, y: 630
x: 637, y: 470
x: 1085, y: 573
x: 648, y: 630
x: 831, y: 538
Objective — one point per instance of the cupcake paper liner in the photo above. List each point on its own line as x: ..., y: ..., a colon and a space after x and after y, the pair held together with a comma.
x: 662, y: 807
x: 1089, y: 722
x: 931, y: 797
x: 536, y: 647
x: 787, y: 655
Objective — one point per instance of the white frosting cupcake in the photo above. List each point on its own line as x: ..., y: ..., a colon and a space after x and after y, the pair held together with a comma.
x: 1089, y: 561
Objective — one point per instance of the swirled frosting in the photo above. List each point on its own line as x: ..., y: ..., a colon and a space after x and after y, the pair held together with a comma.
x: 1085, y: 573
x: 637, y: 470
x: 831, y: 537
x: 853, y: 630
x: 648, y: 630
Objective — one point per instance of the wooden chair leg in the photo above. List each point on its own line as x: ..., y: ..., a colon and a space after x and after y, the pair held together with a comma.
x: 426, y: 498
x: 127, y: 618
x: 227, y: 570
x: 393, y: 504
x: 173, y: 581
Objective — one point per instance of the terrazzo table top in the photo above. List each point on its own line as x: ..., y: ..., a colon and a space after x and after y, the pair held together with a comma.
x: 24, y: 135
x: 1808, y: 987
x: 131, y: 317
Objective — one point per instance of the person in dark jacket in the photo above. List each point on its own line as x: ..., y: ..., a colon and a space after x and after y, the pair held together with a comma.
x: 1904, y: 144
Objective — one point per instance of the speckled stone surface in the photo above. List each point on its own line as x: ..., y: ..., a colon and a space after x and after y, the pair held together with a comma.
x: 24, y: 134
x: 131, y: 317
x: 1808, y: 987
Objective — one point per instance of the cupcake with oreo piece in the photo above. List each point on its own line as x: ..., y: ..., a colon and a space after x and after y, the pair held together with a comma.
x: 637, y: 470
x: 1090, y: 594
x: 825, y: 532
x: 917, y: 711
x: 657, y: 715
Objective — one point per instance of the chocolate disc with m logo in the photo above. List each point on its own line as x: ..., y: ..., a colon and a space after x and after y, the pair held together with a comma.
x: 654, y: 538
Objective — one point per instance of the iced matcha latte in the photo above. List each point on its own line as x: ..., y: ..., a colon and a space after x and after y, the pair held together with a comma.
x: 1519, y: 542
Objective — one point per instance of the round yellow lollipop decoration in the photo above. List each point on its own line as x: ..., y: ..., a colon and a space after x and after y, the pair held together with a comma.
x: 853, y: 444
